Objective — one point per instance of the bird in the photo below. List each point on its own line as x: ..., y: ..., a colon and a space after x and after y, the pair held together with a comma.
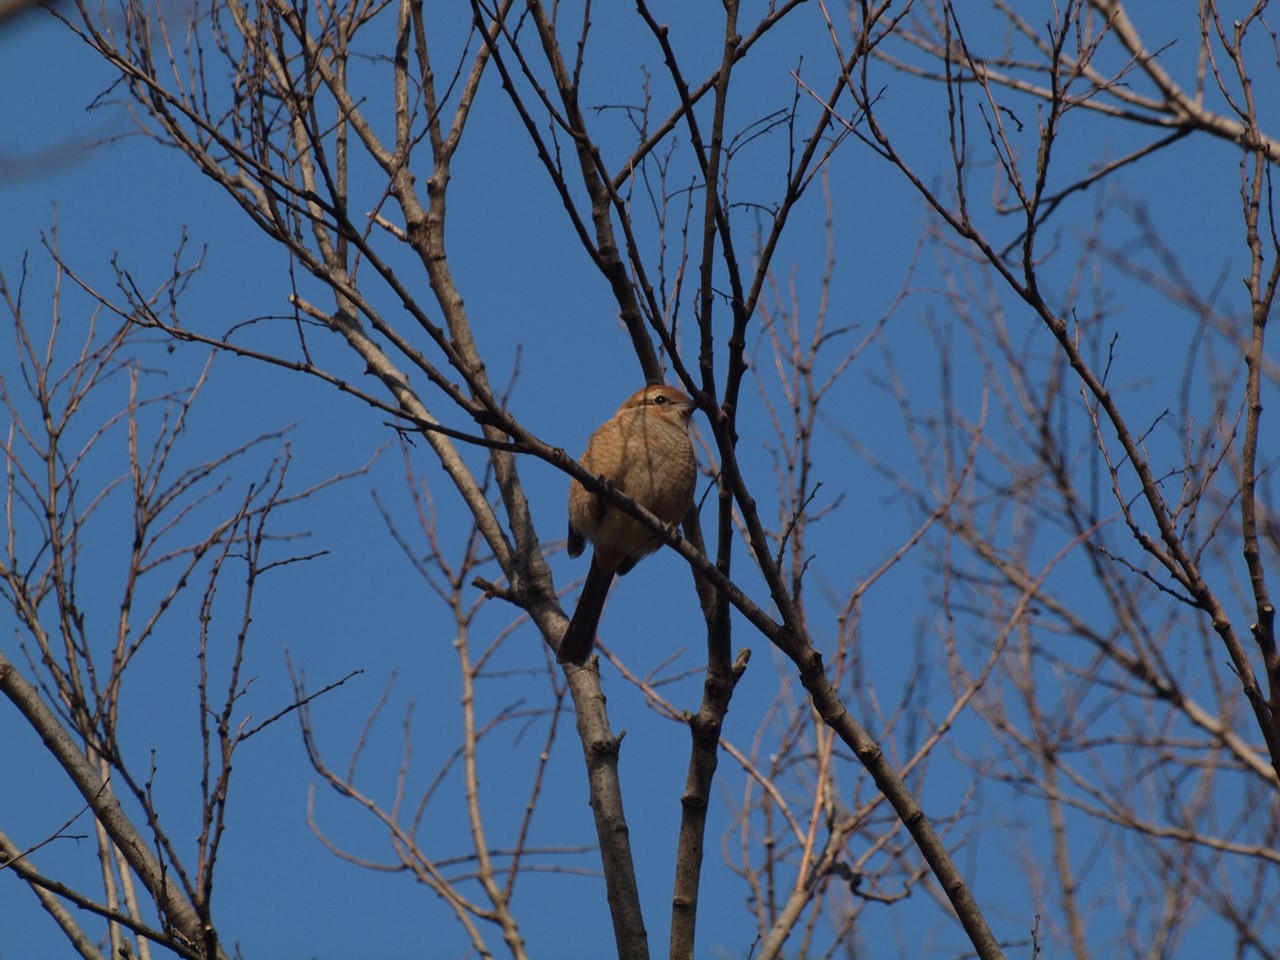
x: 644, y: 452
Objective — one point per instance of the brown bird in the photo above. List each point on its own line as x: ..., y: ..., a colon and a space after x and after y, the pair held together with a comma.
x: 645, y: 452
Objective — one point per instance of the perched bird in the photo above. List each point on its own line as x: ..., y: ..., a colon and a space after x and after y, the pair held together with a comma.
x: 645, y: 452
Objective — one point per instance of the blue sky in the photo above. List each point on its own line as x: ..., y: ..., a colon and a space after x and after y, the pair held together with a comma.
x: 361, y: 606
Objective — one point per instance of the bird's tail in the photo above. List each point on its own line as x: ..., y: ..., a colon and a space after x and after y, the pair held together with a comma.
x: 580, y: 637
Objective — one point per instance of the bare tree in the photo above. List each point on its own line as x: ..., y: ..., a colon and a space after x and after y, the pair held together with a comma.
x: 190, y: 535
x: 1092, y: 635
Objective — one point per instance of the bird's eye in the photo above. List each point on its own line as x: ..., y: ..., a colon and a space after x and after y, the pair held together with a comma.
x: 660, y: 398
